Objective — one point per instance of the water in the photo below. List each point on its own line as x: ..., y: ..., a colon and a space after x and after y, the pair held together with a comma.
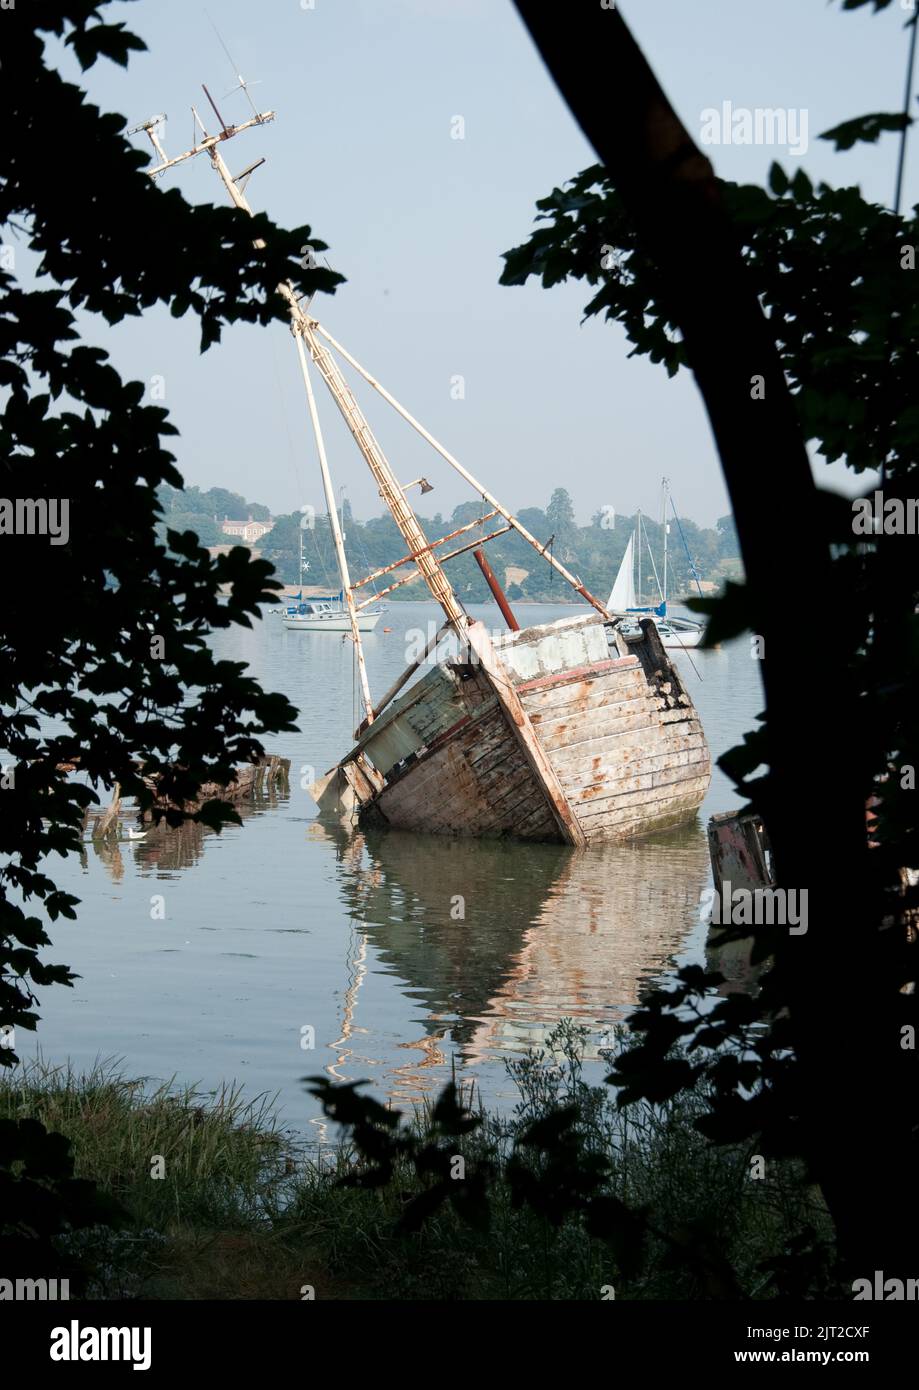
x: 283, y: 948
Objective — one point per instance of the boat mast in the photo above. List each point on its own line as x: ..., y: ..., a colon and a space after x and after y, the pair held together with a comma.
x: 298, y: 322
x: 464, y: 473
x: 638, y: 562
x: 665, y: 485
x: 392, y: 494
x: 305, y: 331
x: 210, y: 143
x: 337, y: 536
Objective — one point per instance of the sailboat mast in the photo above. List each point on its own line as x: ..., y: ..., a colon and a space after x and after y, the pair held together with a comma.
x: 638, y: 561
x: 664, y: 488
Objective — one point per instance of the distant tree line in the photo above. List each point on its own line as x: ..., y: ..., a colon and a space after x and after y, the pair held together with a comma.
x: 592, y: 552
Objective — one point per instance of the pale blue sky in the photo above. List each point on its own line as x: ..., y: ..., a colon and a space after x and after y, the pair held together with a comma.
x: 365, y: 91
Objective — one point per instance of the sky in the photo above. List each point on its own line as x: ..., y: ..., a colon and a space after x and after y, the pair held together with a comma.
x: 367, y: 93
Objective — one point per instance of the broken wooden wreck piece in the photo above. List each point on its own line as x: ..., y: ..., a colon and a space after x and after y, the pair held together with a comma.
x: 249, y: 781
x: 740, y: 851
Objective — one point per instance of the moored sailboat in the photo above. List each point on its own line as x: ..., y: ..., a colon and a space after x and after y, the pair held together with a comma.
x: 674, y: 632
x: 327, y: 614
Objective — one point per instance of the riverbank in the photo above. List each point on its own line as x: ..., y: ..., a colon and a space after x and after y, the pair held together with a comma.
x: 221, y: 1203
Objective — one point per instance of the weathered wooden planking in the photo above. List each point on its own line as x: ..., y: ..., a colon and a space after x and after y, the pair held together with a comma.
x: 423, y: 714
x: 535, y: 825
x: 590, y: 671
x: 649, y: 819
x: 678, y: 714
x: 627, y: 821
x: 641, y: 772
x: 456, y: 789
x: 515, y: 801
x: 453, y: 802
x: 629, y: 752
x: 593, y: 694
x: 624, y: 763
x: 426, y: 768
x: 639, y: 800
x: 600, y: 760
x: 493, y: 737
x: 616, y: 722
x: 614, y: 747
x: 518, y: 722
x: 644, y: 790
x: 523, y: 815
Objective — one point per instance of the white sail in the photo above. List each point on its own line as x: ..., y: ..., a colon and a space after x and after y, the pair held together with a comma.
x: 622, y: 596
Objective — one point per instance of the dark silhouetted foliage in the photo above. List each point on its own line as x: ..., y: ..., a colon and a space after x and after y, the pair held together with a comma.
x: 116, y: 670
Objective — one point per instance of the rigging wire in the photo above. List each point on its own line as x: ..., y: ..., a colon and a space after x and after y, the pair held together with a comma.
x: 364, y: 556
x: 654, y: 566
x: 319, y: 555
x: 291, y: 452
x: 692, y: 564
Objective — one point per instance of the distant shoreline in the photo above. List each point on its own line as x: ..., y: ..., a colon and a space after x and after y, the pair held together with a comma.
x: 310, y: 592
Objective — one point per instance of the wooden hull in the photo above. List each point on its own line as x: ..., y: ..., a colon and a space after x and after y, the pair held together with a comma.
x: 554, y: 734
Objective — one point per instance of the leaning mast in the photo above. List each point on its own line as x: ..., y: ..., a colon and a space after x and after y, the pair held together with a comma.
x: 306, y: 331
x: 210, y: 144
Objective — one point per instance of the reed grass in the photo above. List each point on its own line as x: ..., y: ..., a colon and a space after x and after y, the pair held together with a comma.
x: 246, y: 1210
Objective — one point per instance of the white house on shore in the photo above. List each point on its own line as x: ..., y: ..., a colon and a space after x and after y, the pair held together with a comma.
x: 250, y: 532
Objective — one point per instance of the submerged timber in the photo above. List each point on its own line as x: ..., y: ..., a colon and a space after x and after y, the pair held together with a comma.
x: 552, y: 733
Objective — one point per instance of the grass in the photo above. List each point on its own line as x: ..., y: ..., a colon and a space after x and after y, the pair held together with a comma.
x: 243, y: 1210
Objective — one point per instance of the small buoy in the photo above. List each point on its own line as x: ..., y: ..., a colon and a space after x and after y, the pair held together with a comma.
x: 387, y: 629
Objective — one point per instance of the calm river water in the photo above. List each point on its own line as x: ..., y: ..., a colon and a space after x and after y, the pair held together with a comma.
x: 281, y: 925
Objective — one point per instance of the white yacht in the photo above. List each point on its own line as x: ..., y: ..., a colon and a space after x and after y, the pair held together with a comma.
x: 678, y: 633
x: 327, y: 615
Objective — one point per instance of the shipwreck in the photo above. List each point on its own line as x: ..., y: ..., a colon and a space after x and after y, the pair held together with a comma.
x: 571, y: 731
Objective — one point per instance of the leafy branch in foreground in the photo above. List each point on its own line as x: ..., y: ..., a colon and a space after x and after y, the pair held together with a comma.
x: 117, y: 672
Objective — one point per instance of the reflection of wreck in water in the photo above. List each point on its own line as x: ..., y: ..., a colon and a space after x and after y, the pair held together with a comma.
x: 497, y: 942
x: 164, y: 849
